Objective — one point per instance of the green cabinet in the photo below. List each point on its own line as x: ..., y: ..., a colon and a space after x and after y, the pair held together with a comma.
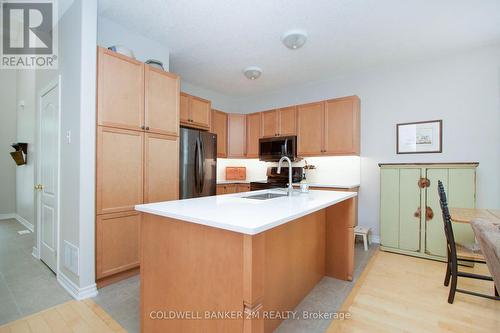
x: 410, y: 215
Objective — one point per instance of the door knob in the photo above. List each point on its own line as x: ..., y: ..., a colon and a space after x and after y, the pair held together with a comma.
x: 429, y: 214
x: 417, y: 213
x: 38, y: 187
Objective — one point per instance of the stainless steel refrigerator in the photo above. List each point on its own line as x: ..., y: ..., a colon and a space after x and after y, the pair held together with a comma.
x: 198, y: 163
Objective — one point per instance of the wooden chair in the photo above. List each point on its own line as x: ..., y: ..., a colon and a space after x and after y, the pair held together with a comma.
x: 457, y: 252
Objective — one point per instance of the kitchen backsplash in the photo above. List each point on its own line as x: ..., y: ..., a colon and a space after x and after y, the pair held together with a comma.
x: 334, y: 170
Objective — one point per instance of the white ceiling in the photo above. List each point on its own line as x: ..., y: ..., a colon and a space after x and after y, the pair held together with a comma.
x: 211, y: 41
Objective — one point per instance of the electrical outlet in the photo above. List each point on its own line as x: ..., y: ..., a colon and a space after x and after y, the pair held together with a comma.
x: 71, y: 257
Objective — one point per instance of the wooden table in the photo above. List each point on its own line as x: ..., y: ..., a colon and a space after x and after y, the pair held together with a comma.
x: 465, y: 215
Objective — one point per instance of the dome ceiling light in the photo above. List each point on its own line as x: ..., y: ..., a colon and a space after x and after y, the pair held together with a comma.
x: 252, y: 72
x: 294, y: 39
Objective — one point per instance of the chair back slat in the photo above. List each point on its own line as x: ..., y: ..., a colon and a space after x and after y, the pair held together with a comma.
x: 448, y: 229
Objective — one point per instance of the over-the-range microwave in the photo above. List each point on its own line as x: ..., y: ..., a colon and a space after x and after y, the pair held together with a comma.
x: 272, y: 149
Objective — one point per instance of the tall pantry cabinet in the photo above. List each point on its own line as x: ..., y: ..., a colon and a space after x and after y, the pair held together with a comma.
x: 137, y: 156
x: 410, y: 215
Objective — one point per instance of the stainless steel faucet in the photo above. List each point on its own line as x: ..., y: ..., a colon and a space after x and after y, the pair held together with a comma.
x: 290, y: 187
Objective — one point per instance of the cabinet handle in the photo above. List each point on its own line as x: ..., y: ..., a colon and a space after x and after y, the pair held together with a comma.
x: 147, y: 128
x: 142, y: 127
x: 418, y: 213
x: 424, y: 182
x: 429, y: 214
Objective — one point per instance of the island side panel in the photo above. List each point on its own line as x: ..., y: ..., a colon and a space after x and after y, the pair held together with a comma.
x: 189, y: 267
x: 294, y: 263
x: 340, y: 221
x: 253, y: 282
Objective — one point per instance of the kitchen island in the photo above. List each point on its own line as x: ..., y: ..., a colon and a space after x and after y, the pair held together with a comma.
x: 230, y: 263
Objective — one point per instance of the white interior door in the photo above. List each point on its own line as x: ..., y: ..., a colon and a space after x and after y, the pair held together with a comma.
x: 48, y: 176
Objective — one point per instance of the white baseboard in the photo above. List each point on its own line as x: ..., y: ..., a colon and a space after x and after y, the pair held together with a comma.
x: 375, y: 239
x: 75, y: 291
x: 19, y: 219
x: 25, y: 222
x: 35, y: 253
x: 7, y: 216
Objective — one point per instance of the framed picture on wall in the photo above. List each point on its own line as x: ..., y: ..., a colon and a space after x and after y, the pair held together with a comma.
x: 419, y: 137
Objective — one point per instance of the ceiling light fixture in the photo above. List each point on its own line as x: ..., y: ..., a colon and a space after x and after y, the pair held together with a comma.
x: 252, y: 72
x: 294, y: 39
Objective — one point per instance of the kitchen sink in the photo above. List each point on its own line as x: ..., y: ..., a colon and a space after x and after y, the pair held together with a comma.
x: 265, y: 196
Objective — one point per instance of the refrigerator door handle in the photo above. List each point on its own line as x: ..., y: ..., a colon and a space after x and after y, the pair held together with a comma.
x: 197, y: 166
x: 202, y: 166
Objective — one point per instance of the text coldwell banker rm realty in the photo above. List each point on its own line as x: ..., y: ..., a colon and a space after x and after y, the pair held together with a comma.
x: 29, y: 34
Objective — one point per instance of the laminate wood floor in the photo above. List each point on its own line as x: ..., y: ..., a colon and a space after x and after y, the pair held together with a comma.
x: 398, y: 293
x: 72, y: 316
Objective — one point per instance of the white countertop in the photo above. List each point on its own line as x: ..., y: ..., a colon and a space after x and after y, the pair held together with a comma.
x: 249, y: 216
x: 346, y: 186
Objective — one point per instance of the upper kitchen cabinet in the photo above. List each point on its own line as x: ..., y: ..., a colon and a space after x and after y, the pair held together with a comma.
x: 253, y: 130
x: 219, y: 127
x: 161, y: 101
x: 310, y: 129
x: 280, y: 122
x: 287, y: 119
x: 195, y: 111
x: 342, y: 126
x: 184, y: 108
x: 120, y: 91
x: 269, y: 121
x: 236, y: 132
x: 329, y: 128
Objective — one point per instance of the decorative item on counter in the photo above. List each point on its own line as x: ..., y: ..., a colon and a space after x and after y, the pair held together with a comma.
x: 155, y: 63
x: 122, y: 50
x: 236, y: 173
x: 20, y: 156
x: 304, y: 186
x: 309, y: 166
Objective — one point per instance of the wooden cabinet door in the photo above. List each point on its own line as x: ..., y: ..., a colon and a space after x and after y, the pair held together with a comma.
x: 119, y: 170
x: 287, y: 121
x: 199, y: 111
x: 236, y: 132
x: 310, y: 129
x: 230, y: 188
x: 161, y: 101
x: 117, y: 243
x: 161, y: 168
x: 269, y: 124
x: 243, y: 188
x: 253, y: 135
x: 342, y: 126
x: 220, y: 189
x: 219, y: 127
x: 184, y: 108
x: 120, y: 91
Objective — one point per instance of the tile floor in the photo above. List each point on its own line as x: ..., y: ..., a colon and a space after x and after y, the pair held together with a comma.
x: 121, y: 300
x: 26, y: 284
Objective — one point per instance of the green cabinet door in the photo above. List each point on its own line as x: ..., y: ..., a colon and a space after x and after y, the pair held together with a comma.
x: 459, y: 185
x: 435, y: 241
x: 409, y: 204
x: 389, y: 208
x: 399, y: 200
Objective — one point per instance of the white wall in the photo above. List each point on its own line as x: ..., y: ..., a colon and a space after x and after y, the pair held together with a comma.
x: 26, y: 127
x: 219, y: 101
x: 7, y: 137
x: 463, y: 90
x: 110, y: 33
